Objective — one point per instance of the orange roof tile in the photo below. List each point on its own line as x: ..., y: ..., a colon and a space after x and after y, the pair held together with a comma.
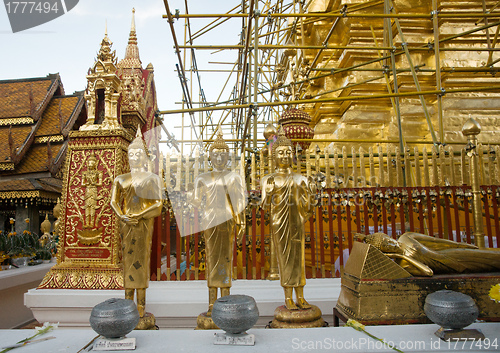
x: 15, y: 95
x: 19, y: 135
x: 16, y: 185
x: 50, y: 119
x: 36, y: 159
x: 46, y: 184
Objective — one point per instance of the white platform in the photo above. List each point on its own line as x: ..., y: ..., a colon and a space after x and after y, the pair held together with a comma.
x: 175, y: 304
x: 13, y: 284
x: 408, y: 338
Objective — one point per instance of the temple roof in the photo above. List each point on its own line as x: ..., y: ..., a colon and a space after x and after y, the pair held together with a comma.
x: 27, y: 97
x: 35, y: 120
x: 46, y: 184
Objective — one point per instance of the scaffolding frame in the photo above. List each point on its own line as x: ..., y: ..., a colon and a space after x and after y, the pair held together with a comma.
x: 264, y: 81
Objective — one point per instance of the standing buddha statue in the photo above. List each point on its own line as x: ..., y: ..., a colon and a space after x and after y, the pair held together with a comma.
x: 220, y: 198
x: 136, y: 200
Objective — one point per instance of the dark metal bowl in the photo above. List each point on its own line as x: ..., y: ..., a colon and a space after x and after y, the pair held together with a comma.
x: 235, y: 313
x: 114, y: 317
x: 451, y: 310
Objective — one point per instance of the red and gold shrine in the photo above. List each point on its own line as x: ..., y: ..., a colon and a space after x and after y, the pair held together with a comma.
x: 120, y: 98
x: 295, y: 123
x: 89, y: 251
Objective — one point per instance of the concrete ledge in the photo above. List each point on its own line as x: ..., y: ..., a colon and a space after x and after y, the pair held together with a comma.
x: 407, y: 338
x: 22, y: 275
x: 175, y: 304
x: 13, y: 284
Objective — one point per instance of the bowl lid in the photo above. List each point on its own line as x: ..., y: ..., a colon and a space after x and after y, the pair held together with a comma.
x: 113, y: 307
x: 235, y: 299
x: 449, y: 299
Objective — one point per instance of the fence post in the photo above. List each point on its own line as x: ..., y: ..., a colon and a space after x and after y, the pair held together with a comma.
x: 381, y: 181
x: 471, y: 129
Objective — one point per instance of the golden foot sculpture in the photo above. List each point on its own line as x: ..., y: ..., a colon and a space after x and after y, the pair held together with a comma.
x: 297, y: 318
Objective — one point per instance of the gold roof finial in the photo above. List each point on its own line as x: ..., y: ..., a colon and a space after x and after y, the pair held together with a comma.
x: 132, y: 26
x: 131, y: 59
x: 219, y: 142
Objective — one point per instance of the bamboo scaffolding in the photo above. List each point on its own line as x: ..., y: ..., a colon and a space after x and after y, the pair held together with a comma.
x: 337, y: 99
x: 448, y: 15
x: 250, y: 99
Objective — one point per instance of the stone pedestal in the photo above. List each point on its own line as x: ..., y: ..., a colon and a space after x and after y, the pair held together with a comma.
x: 89, y: 251
x: 301, y: 318
x: 148, y: 322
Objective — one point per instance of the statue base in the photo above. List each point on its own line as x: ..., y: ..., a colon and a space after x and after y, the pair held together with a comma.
x: 459, y: 335
x: 377, y: 291
x: 65, y: 276
x: 273, y: 276
x: 148, y: 322
x: 205, y: 322
x: 301, y: 318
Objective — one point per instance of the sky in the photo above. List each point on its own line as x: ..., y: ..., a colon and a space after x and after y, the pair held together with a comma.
x: 68, y: 45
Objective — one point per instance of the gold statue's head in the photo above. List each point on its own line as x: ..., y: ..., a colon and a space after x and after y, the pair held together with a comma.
x: 381, y: 241
x: 219, y: 152
x: 138, y: 152
x: 282, y: 150
x: 92, y: 161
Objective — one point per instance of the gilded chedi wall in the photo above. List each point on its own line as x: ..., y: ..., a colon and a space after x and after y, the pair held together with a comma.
x: 463, y: 61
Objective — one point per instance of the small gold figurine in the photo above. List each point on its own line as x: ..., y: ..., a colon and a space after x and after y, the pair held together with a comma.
x: 45, y: 228
x: 136, y: 199
x: 290, y: 197
x: 91, y: 179
x: 423, y: 255
x: 220, y: 198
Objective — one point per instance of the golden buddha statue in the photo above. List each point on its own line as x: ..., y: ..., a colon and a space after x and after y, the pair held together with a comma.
x: 423, y: 255
x: 290, y: 197
x: 220, y: 198
x: 136, y: 199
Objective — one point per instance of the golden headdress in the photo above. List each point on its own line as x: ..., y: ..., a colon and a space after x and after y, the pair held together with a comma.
x: 138, y: 142
x: 282, y: 140
x: 219, y: 142
x: 92, y: 156
x: 378, y: 240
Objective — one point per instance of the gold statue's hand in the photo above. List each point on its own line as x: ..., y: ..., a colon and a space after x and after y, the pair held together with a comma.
x: 270, y: 184
x: 129, y: 219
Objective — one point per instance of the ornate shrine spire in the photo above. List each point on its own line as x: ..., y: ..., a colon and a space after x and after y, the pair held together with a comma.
x: 103, y: 90
x: 131, y: 59
x: 105, y: 54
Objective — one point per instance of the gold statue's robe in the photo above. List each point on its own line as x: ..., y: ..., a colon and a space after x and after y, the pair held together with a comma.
x: 220, y: 199
x: 134, y: 197
x: 445, y: 256
x: 290, y: 206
